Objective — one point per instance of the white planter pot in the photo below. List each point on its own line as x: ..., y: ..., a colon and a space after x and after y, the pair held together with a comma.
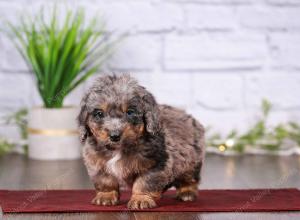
x: 52, y: 134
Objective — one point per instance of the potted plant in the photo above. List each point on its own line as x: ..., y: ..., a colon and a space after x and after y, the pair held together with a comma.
x: 61, y: 53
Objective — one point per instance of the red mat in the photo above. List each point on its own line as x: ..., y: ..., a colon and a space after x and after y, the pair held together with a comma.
x: 256, y: 200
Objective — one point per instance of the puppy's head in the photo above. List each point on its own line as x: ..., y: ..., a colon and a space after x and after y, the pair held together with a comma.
x: 117, y: 112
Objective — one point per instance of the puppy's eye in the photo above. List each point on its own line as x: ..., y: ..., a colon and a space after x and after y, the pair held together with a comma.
x: 98, y: 113
x: 130, y: 112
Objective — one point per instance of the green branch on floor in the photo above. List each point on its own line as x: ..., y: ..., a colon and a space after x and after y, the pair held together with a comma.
x: 19, y: 119
x: 259, y: 135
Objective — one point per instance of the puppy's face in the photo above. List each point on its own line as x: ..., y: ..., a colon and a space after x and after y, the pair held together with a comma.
x: 117, y: 112
x: 116, y: 124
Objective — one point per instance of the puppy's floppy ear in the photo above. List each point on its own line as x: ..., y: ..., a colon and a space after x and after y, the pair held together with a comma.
x: 82, y: 120
x: 151, y: 113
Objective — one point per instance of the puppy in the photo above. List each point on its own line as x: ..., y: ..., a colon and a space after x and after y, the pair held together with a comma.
x: 131, y: 140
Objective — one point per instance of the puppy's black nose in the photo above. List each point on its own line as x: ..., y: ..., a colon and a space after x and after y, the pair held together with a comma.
x: 115, y: 136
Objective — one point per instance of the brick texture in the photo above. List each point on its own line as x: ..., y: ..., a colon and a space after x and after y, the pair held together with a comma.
x: 215, y: 58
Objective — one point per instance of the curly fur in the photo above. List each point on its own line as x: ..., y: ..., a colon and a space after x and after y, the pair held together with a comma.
x: 159, y: 146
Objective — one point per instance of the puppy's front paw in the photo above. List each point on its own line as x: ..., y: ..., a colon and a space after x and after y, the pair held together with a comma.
x: 106, y: 198
x: 141, y: 202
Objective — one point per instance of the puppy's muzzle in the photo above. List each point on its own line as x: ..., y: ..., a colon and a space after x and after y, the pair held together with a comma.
x: 115, y: 136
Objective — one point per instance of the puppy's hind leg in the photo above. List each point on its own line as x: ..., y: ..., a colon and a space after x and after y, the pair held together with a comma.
x: 187, y: 192
x: 187, y: 185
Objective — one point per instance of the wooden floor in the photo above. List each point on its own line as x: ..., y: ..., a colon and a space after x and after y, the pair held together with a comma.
x: 18, y: 172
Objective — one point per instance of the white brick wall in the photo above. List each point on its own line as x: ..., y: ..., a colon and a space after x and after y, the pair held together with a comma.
x: 214, y: 51
x: 215, y: 58
x: 276, y: 18
x: 129, y: 56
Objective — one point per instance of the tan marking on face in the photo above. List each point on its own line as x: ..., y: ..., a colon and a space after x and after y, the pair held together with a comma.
x: 133, y: 132
x: 104, y: 107
x: 124, y: 107
x: 103, y: 135
x: 98, y: 132
x: 141, y: 129
x: 129, y: 132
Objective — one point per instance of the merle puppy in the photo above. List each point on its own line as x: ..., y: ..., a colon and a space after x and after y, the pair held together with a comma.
x: 131, y: 140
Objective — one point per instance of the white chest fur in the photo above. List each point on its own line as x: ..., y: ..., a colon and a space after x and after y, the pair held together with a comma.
x: 112, y: 166
x: 115, y: 169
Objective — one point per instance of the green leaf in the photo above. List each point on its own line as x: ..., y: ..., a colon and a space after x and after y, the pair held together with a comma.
x: 266, y: 107
x: 60, y: 57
